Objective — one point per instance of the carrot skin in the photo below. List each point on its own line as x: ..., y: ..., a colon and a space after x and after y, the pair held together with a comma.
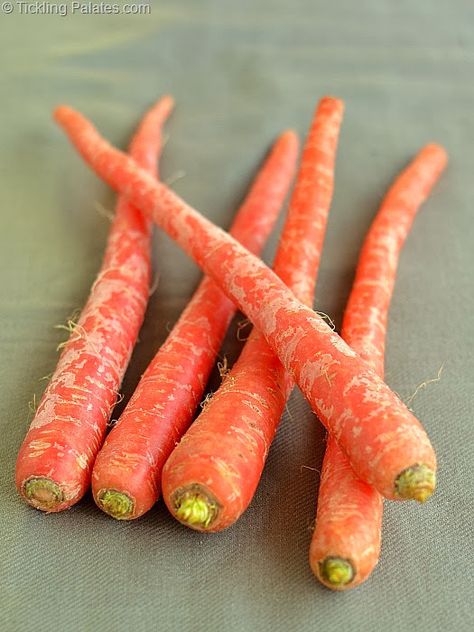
x: 349, y: 512
x: 222, y: 455
x: 221, y: 459
x: 55, y: 460
x: 365, y: 317
x: 343, y: 391
x: 163, y: 405
x: 348, y: 523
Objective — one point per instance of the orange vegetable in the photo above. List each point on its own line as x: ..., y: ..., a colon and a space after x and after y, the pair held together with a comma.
x: 346, y: 542
x: 211, y: 476
x: 55, y: 460
x: 127, y: 473
x: 343, y: 390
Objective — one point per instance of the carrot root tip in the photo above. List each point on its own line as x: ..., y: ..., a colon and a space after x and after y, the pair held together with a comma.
x: 43, y: 493
x: 116, y: 504
x: 195, y: 508
x: 417, y: 482
x: 336, y: 572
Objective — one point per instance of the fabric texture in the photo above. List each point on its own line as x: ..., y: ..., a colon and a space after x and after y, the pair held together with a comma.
x: 240, y: 72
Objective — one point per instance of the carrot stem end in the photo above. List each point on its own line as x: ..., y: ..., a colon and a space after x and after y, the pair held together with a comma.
x: 336, y: 572
x: 117, y: 504
x: 195, y: 509
x: 43, y: 493
x: 416, y: 483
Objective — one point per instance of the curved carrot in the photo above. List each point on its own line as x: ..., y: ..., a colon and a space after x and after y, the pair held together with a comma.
x: 344, y: 392
x: 346, y: 542
x: 127, y: 473
x: 211, y: 476
x: 55, y: 460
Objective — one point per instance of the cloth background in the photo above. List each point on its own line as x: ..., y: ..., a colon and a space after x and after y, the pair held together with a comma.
x: 241, y: 72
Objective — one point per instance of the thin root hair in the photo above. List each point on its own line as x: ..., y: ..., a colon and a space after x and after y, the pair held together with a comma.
x: 154, y: 285
x: 174, y: 177
x: 327, y: 318
x: 76, y: 332
x: 308, y: 467
x: 104, y: 212
x: 33, y: 405
x: 241, y: 326
x: 206, y: 401
x: 425, y: 384
x: 223, y: 368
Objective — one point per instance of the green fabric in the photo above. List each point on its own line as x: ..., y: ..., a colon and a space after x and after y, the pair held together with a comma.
x: 240, y: 72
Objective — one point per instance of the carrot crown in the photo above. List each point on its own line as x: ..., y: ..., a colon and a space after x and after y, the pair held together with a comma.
x: 43, y: 493
x: 195, y: 508
x: 116, y: 504
x: 417, y: 483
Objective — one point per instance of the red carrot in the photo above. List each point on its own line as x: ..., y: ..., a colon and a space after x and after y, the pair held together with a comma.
x: 55, y: 460
x: 211, y: 476
x: 127, y: 473
x: 346, y: 542
x: 344, y: 392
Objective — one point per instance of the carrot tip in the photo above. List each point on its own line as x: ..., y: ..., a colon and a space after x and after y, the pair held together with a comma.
x: 416, y: 483
x: 43, y: 493
x: 336, y: 572
x: 116, y: 504
x: 194, y: 508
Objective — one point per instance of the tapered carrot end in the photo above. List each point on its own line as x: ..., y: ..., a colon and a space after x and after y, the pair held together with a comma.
x: 69, y: 119
x: 416, y: 483
x: 43, y: 493
x: 336, y: 573
x: 116, y: 504
x: 436, y: 154
x: 287, y: 144
x: 61, y: 112
x: 195, y: 508
x: 168, y: 100
x: 289, y: 136
x: 164, y: 106
x: 331, y: 103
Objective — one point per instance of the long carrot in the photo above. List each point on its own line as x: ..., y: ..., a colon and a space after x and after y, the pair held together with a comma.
x: 55, y: 460
x: 346, y: 542
x: 211, y: 476
x: 127, y: 473
x: 346, y: 394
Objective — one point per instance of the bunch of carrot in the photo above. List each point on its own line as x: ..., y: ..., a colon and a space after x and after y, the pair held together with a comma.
x: 208, y: 471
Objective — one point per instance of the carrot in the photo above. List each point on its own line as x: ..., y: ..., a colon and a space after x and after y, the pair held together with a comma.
x: 342, y: 389
x: 345, y: 546
x: 127, y: 473
x: 55, y: 460
x: 211, y: 476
